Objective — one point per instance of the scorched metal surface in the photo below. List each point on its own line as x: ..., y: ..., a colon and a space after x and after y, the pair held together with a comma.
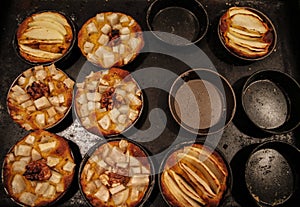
x: 157, y: 130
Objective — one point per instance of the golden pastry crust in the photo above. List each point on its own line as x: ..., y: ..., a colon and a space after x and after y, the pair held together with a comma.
x: 108, y: 102
x: 187, y: 180
x: 44, y: 37
x: 246, y: 33
x: 23, y: 179
x: 40, y: 97
x: 116, y: 174
x: 110, y: 39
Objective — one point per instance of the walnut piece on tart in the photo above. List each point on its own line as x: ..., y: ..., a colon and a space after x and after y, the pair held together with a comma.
x: 108, y: 102
x: 38, y: 169
x: 117, y: 173
x: 44, y: 37
x: 110, y: 39
x: 246, y: 32
x: 40, y: 97
x: 194, y: 175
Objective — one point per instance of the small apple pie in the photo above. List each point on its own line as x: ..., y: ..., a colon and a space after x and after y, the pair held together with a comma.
x: 116, y: 174
x: 40, y: 97
x: 44, y: 37
x: 108, y: 102
x: 194, y: 175
x: 38, y: 169
x: 110, y: 39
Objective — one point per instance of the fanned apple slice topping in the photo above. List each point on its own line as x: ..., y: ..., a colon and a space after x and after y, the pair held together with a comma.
x: 114, y: 176
x: 194, y: 176
x: 44, y: 37
x: 246, y: 33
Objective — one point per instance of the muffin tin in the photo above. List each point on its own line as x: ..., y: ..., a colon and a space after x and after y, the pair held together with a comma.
x: 237, y: 136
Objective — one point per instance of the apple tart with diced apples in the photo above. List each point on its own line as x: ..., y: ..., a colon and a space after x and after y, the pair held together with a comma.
x: 117, y: 173
x: 38, y: 169
x: 194, y: 175
x: 40, y: 97
x: 44, y: 37
x: 108, y: 102
x: 110, y: 39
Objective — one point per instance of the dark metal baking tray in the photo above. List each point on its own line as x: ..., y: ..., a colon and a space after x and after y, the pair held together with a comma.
x: 238, y: 138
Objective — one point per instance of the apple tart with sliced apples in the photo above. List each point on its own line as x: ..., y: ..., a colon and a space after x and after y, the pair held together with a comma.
x: 108, y: 102
x: 44, y: 37
x: 38, y: 169
x: 194, y: 175
x: 110, y: 39
x: 40, y: 97
x: 117, y: 173
x: 247, y: 32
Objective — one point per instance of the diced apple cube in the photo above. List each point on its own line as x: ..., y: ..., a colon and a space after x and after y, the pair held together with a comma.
x: 22, y: 98
x: 51, y: 112
x: 103, y: 39
x: 41, y: 188
x: 84, y: 111
x: 54, y: 100
x: 23, y: 150
x: 61, y: 109
x: 41, y: 75
x: 51, y: 86
x: 52, y: 69
x: 116, y: 189
x: 105, y: 122
x: 88, y: 47
x: 52, y: 161
x: 42, y: 103
x: 27, y: 73
x: 58, y: 76
x: 40, y: 119
x: 18, y: 184
x: 28, y: 198
x: 100, y: 17
x: 35, y: 155
x: 30, y: 139
x: 82, y: 99
x: 50, y: 192
x: 25, y: 159
x: 31, y: 109
x: 91, y: 28
x: 102, y: 194
x: 69, y: 166
x: 60, y: 187
x: 113, y: 114
x: 106, y: 29
x: 18, y: 89
x: 19, y: 166
x: 125, y: 30
x: 69, y: 82
x: 124, y: 19
x: 27, y: 104
x: 55, y: 177
x: 47, y: 146
x: 113, y: 18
